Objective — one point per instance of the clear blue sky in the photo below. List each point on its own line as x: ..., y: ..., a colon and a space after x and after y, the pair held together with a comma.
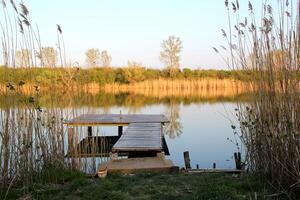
x: 134, y: 29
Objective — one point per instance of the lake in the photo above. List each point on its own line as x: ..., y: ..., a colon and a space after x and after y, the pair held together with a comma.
x: 199, y: 125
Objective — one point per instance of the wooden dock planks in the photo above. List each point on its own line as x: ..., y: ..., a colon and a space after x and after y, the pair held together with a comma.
x: 140, y: 137
x: 132, y: 165
x: 115, y: 119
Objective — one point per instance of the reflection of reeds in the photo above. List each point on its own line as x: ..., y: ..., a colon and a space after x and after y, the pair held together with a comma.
x: 131, y: 100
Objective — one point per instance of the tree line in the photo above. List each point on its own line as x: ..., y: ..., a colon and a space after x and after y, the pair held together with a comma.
x: 110, y: 75
x: 48, y: 56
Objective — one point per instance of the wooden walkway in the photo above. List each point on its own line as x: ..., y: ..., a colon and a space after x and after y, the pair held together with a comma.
x: 140, y: 137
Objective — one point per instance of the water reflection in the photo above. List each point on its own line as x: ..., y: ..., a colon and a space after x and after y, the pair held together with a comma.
x: 107, y: 101
x: 174, y: 128
x: 33, y: 133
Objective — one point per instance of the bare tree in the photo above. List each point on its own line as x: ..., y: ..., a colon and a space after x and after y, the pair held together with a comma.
x: 48, y: 57
x: 169, y: 55
x: 23, y: 58
x: 92, y: 57
x: 105, y: 59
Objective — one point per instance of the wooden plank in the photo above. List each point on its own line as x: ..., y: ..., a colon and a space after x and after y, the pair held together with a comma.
x: 131, y: 165
x: 140, y: 137
x: 194, y: 171
x: 117, y: 119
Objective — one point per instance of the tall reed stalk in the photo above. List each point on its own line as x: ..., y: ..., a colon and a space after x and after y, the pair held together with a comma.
x: 32, y: 138
x: 270, y: 124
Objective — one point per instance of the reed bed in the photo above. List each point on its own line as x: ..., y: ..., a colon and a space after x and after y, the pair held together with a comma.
x: 30, y: 141
x: 162, y: 88
x: 209, y: 87
x: 269, y: 126
x: 33, y: 139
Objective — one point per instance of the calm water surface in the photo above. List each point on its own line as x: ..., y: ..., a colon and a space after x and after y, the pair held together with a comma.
x: 204, y: 129
x: 197, y: 124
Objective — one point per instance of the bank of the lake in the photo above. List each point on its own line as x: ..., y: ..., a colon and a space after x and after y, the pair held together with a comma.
x: 125, y: 79
x: 75, y: 185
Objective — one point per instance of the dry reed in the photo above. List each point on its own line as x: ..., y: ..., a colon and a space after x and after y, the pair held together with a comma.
x: 270, y: 125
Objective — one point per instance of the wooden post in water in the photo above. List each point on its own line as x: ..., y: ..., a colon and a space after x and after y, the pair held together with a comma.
x: 187, y: 160
x: 120, y: 130
x: 237, y: 159
x: 90, y: 133
x: 70, y: 139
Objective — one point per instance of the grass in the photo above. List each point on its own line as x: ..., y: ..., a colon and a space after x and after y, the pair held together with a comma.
x: 148, y: 186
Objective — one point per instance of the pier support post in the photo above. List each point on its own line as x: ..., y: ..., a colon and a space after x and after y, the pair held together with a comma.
x: 113, y: 155
x: 187, y: 160
x: 70, y: 140
x: 90, y: 133
x: 120, y: 130
x: 237, y: 159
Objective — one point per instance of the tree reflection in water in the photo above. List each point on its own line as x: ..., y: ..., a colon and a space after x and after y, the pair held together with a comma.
x: 174, y: 128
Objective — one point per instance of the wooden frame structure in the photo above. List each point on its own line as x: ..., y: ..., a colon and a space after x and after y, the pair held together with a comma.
x: 143, y: 134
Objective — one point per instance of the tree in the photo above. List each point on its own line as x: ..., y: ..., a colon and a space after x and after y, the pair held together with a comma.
x: 23, y: 58
x: 105, y: 59
x: 169, y: 55
x: 134, y: 72
x: 48, y: 57
x: 92, y: 57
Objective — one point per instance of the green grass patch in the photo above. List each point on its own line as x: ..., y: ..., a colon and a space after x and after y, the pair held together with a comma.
x: 149, y: 186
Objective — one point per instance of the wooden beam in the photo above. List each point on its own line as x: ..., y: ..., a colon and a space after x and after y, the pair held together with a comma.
x: 90, y: 131
x: 187, y: 160
x: 70, y: 138
x: 237, y: 159
x: 120, y: 130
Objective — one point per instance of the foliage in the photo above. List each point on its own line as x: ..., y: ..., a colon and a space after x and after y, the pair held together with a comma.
x: 134, y: 72
x: 131, y: 74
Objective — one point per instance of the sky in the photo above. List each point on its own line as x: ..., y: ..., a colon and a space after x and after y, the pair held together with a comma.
x: 133, y: 30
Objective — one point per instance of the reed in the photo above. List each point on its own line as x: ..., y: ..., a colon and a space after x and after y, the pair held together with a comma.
x: 164, y: 87
x: 32, y: 138
x: 269, y: 125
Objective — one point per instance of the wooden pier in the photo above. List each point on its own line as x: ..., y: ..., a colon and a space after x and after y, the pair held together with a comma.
x: 143, y: 140
x: 140, y: 137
